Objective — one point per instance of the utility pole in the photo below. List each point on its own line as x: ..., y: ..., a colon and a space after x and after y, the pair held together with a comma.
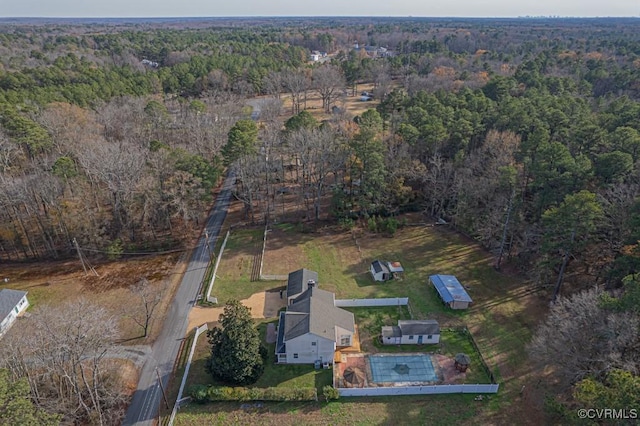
x: 164, y: 395
x: 75, y: 243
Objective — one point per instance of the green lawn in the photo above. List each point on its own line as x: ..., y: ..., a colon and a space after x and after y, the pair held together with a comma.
x: 233, y: 279
x: 500, y: 320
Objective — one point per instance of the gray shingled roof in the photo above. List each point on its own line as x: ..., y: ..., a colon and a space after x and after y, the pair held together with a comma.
x: 297, y: 282
x: 391, y: 331
x: 379, y: 266
x: 418, y: 327
x: 314, y: 312
x: 8, y: 300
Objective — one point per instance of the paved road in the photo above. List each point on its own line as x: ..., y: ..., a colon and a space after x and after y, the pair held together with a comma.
x: 147, y: 398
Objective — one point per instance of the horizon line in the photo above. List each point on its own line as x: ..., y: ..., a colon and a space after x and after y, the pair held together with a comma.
x: 331, y: 16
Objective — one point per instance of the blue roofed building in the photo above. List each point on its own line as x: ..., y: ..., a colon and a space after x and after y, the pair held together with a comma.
x: 451, y: 291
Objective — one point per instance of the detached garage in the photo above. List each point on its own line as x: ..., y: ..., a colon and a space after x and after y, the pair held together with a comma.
x: 451, y: 291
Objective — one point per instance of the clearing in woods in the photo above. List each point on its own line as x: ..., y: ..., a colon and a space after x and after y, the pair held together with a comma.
x: 504, y: 312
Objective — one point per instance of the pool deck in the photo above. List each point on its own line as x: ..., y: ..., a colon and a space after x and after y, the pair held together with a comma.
x: 443, y: 367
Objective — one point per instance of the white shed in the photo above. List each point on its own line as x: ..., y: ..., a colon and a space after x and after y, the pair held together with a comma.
x: 412, y: 332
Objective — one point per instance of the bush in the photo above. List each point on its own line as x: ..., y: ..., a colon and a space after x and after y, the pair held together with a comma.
x: 115, y: 249
x: 225, y: 393
x: 372, y: 224
x: 199, y: 393
x: 330, y: 393
x: 346, y: 223
x: 390, y: 225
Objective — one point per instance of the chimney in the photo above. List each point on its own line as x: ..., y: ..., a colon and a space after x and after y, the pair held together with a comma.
x: 311, y: 284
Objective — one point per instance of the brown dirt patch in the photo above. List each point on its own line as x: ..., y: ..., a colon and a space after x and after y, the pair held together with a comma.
x: 264, y: 304
x: 54, y: 283
x: 283, y: 253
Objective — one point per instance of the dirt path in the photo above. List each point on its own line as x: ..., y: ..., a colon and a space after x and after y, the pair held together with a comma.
x: 264, y: 304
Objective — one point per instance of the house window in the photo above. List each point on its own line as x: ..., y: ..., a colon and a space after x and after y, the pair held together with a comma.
x: 295, y: 356
x: 410, y: 337
x: 345, y: 340
x: 430, y: 337
x: 313, y: 343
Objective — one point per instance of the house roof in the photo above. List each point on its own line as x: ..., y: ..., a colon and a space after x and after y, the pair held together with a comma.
x: 379, y: 266
x: 449, y: 288
x: 9, y: 299
x: 297, y: 282
x: 418, y: 327
x: 314, y: 312
x: 391, y: 331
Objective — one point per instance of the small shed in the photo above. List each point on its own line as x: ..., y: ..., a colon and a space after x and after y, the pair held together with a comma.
x: 412, y: 332
x: 380, y: 271
x: 418, y: 332
x: 462, y: 362
x: 451, y: 291
x: 391, y: 335
x: 383, y: 271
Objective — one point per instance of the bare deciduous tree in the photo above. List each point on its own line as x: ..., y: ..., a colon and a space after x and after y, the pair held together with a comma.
x: 64, y: 358
x: 330, y: 84
x: 296, y: 83
x: 149, y: 297
x: 580, y: 338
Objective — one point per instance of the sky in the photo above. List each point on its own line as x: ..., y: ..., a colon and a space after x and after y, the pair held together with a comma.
x: 427, y: 8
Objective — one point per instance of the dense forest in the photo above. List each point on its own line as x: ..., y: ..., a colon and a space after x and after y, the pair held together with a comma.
x: 523, y: 134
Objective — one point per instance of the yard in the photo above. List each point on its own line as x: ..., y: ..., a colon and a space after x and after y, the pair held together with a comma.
x: 505, y: 309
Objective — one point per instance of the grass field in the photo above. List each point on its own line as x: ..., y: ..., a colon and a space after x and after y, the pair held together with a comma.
x: 504, y: 311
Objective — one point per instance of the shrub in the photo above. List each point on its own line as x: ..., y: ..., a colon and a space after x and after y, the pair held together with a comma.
x: 391, y: 225
x: 346, y: 223
x: 330, y: 393
x: 253, y: 394
x: 372, y: 224
x: 199, y: 393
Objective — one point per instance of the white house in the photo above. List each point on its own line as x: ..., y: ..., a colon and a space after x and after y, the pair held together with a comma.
x: 12, y: 304
x: 313, y: 328
x: 412, y: 332
x: 383, y: 271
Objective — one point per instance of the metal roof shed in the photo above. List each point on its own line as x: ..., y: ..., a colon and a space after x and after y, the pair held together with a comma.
x: 451, y: 291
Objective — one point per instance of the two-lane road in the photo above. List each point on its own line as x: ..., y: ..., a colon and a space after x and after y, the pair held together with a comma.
x: 147, y: 398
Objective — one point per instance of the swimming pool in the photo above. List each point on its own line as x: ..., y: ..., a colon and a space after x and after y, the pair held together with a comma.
x: 402, y: 368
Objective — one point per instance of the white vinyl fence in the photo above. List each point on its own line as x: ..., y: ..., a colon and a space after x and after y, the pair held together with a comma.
x: 199, y: 331
x: 215, y: 271
x: 419, y: 390
x: 353, y: 303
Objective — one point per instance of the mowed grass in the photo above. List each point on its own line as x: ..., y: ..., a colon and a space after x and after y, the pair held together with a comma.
x: 504, y: 311
x: 233, y: 278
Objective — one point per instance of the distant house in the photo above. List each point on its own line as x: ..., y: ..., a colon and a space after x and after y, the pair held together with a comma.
x: 315, y: 56
x: 384, y: 271
x: 12, y: 304
x: 313, y: 328
x: 451, y: 291
x: 412, y: 332
x: 149, y: 63
x: 299, y: 281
